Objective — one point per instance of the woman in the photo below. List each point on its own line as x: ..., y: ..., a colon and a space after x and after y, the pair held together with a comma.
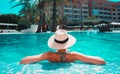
x: 61, y: 41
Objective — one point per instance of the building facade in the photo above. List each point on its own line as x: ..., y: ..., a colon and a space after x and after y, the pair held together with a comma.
x: 104, y: 10
x: 75, y: 13
x: 118, y: 11
x: 101, y: 9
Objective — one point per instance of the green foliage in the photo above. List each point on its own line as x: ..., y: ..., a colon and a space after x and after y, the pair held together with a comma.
x: 91, y: 18
x: 29, y: 11
x: 64, y: 20
x: 9, y: 18
x: 91, y: 21
x: 34, y: 8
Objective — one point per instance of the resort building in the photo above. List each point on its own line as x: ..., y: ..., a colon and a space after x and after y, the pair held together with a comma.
x: 77, y: 12
x: 105, y: 10
x: 101, y: 9
x: 118, y: 11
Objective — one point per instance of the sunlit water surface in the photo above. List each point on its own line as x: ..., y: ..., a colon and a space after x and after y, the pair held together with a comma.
x: 15, y: 47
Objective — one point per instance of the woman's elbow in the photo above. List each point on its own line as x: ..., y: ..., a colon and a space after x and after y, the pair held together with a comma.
x: 25, y: 61
x: 102, y: 62
x: 97, y: 60
x: 21, y: 62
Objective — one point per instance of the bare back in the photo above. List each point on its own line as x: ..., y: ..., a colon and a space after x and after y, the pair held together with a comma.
x: 56, y: 57
x: 64, y: 57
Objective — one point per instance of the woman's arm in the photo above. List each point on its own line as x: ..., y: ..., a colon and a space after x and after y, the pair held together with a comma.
x: 89, y: 59
x: 36, y: 58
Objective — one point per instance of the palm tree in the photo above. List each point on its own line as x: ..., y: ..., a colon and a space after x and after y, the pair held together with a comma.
x: 54, y: 25
x: 54, y: 16
x: 27, y: 11
x: 42, y: 13
x: 81, y: 13
x: 41, y: 5
x: 42, y: 21
x: 29, y: 7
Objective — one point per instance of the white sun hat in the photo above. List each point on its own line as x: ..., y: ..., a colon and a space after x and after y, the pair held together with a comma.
x: 61, y: 40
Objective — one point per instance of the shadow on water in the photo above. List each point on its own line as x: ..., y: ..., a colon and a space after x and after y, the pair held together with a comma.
x: 59, y: 65
x: 54, y: 65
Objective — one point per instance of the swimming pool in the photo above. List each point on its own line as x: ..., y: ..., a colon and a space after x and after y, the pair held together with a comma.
x: 14, y: 47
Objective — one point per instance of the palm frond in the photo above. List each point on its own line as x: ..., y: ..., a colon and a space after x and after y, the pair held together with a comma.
x: 12, y: 1
x: 20, y: 4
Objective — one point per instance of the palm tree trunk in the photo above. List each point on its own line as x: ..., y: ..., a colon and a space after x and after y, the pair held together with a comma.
x: 54, y: 25
x: 42, y: 17
x: 81, y: 13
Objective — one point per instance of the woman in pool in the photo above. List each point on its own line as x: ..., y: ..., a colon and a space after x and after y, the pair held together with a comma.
x: 61, y: 41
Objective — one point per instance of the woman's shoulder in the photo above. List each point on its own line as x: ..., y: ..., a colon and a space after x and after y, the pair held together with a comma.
x: 50, y: 53
x: 76, y: 53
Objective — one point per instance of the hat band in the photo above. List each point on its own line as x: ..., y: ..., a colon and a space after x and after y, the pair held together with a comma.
x: 61, y: 42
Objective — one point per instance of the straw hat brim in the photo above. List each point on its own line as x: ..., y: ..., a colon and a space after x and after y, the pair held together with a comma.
x: 52, y: 44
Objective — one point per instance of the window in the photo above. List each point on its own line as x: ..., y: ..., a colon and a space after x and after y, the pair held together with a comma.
x: 118, y: 10
x: 100, y: 3
x: 118, y: 13
x: 94, y: 3
x: 96, y: 7
x: 105, y: 13
x: 113, y: 9
x: 85, y: 7
x: 85, y: 16
x: 106, y: 17
x: 101, y: 12
x: 114, y: 17
x: 114, y: 14
x: 66, y: 10
x: 118, y: 6
x: 109, y: 13
x: 101, y: 17
x: 76, y: 16
x: 109, y: 17
x: 85, y: 12
x: 68, y: 16
x: 105, y: 5
x: 101, y: 8
x: 65, y: 5
x: 109, y: 9
x: 75, y: 11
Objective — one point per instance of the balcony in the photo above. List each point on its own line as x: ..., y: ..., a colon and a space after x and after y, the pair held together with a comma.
x: 68, y: 13
x: 68, y: 8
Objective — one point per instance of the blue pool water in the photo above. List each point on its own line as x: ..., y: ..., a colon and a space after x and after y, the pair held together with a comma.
x: 15, y: 47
